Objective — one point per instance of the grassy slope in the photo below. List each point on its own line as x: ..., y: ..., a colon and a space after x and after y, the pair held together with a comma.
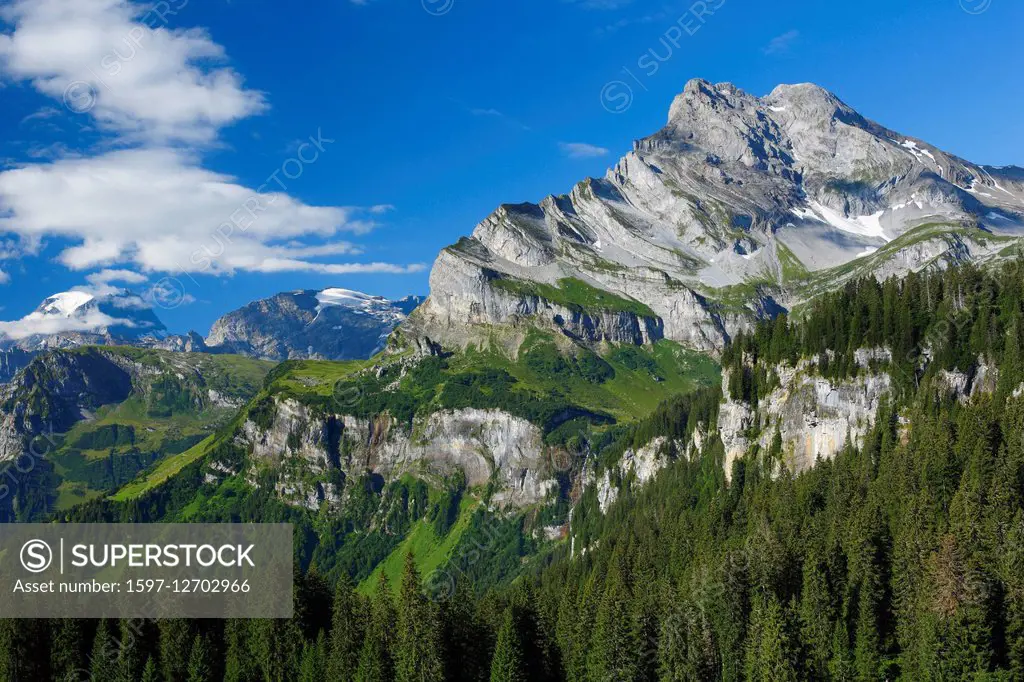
x: 429, y: 551
x: 163, y: 470
x: 157, y: 432
x: 575, y: 294
x: 632, y: 393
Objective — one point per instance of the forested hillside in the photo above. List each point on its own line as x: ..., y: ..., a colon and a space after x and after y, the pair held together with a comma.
x: 900, y: 559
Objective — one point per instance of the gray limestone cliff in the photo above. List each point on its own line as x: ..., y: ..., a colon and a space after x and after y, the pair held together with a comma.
x: 305, y: 445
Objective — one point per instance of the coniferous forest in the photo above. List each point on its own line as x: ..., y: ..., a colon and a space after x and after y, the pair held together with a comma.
x: 899, y: 559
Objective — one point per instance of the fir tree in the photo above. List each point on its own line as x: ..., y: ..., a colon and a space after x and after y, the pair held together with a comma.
x: 346, y: 631
x: 508, y: 664
x: 418, y: 656
x: 199, y: 661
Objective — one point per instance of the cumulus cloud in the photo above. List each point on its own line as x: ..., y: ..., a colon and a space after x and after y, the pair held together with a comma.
x: 101, y: 284
x: 582, y: 150
x: 37, y: 323
x: 155, y: 209
x: 161, y: 94
x: 120, y: 63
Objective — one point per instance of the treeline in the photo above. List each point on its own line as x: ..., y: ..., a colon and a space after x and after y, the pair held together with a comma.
x: 926, y: 321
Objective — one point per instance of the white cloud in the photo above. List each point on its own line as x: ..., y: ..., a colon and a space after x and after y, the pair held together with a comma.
x: 108, y: 276
x: 155, y: 209
x: 782, y: 43
x: 582, y: 150
x: 160, y: 93
x: 38, y: 323
x: 119, y: 62
x: 100, y: 284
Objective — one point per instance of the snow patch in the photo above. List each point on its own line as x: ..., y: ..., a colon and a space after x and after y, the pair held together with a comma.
x: 865, y: 225
x: 918, y: 152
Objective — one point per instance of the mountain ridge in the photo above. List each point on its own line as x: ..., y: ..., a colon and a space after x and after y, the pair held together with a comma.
x: 332, y: 323
x: 735, y: 194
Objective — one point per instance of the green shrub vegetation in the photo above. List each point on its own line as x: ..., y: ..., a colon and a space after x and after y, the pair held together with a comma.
x: 576, y: 295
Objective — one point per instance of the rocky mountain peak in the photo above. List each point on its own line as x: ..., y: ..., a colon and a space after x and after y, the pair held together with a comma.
x: 333, y: 323
x: 740, y: 205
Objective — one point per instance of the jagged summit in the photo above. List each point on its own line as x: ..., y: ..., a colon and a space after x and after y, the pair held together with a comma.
x: 332, y: 323
x: 739, y: 206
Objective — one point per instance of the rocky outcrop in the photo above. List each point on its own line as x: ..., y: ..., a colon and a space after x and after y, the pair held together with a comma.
x: 816, y: 417
x: 489, y: 446
x: 13, y: 360
x: 981, y: 378
x: 467, y: 300
x: 637, y: 467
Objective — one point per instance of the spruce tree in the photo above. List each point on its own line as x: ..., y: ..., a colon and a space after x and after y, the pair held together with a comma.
x: 508, y: 664
x: 238, y: 661
x: 150, y: 673
x: 614, y: 646
x: 419, y: 650
x: 199, y: 663
x: 346, y: 631
x: 377, y: 655
x: 771, y: 652
x: 314, y: 662
x: 68, y: 652
x: 131, y: 656
x: 103, y: 659
x: 176, y: 639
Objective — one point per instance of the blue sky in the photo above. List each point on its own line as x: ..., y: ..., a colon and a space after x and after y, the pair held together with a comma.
x: 122, y: 163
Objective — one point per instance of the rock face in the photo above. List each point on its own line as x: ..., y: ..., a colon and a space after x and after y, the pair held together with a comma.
x: 306, y: 445
x: 734, y: 190
x: 816, y: 417
x: 332, y: 324
x: 643, y: 464
x: 11, y: 361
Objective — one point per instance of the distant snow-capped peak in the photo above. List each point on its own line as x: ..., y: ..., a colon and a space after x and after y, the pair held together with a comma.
x: 66, y: 303
x: 76, y: 317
